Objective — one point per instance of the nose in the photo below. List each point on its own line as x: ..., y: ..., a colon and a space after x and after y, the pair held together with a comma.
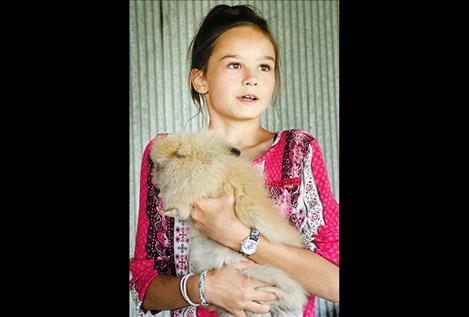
x: 250, y: 79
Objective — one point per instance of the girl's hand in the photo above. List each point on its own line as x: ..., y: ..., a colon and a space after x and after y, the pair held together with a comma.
x: 229, y: 289
x: 215, y: 218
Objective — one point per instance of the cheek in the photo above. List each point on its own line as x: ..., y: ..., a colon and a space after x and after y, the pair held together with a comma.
x: 223, y: 84
x: 269, y: 84
x: 227, y: 76
x: 270, y: 79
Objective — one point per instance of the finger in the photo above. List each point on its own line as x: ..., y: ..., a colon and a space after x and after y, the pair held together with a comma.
x: 243, y: 265
x: 230, y: 198
x: 259, y: 295
x: 238, y: 313
x: 253, y: 282
x: 258, y: 283
x: 195, y: 215
x: 200, y: 204
x: 257, y: 308
x: 196, y: 225
x: 195, y: 209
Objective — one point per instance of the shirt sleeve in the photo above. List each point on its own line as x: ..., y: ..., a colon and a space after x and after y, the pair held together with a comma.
x: 327, y: 237
x: 141, y: 266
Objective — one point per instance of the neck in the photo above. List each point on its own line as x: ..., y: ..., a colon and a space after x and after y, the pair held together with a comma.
x: 241, y: 134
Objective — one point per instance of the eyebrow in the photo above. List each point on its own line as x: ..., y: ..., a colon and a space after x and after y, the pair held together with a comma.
x: 237, y: 56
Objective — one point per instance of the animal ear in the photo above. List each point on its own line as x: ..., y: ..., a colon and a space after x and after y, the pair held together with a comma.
x: 183, y: 150
x: 164, y: 149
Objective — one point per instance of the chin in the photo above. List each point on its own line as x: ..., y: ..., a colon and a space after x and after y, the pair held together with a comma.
x: 250, y: 112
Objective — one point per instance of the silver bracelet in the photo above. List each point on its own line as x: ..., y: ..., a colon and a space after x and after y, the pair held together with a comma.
x: 183, y: 290
x: 203, y: 301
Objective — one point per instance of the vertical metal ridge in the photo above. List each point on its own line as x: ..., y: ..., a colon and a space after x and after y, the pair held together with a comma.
x: 169, y: 64
x: 316, y: 74
x: 334, y: 106
x: 301, y: 63
x: 160, y: 124
x: 152, y: 72
x: 286, y: 63
x: 179, y: 104
x: 137, y: 48
x: 187, y: 63
x: 322, y: 139
x: 297, y: 106
x: 163, y: 68
x: 137, y: 91
x: 307, y: 62
x: 327, y: 84
x: 133, y: 188
x: 148, y: 79
x: 268, y: 117
x: 142, y: 66
x: 331, y: 98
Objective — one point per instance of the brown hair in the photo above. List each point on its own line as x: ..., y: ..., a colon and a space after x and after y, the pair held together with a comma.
x: 220, y: 19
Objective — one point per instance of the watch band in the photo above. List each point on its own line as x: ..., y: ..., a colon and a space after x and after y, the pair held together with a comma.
x: 254, y: 235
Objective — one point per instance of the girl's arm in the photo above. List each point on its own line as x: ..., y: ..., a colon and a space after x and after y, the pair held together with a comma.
x: 226, y: 287
x: 318, y: 276
x: 317, y: 271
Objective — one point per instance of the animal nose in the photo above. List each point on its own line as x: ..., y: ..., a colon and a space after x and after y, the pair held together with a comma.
x: 235, y: 151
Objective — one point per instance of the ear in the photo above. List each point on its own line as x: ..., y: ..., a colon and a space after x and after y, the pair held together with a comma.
x: 184, y: 149
x: 164, y: 150
x: 198, y: 81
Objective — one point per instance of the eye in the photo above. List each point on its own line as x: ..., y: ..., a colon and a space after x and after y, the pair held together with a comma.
x: 234, y: 65
x: 265, y: 67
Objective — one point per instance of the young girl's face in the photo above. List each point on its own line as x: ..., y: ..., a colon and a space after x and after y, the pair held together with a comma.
x: 240, y: 77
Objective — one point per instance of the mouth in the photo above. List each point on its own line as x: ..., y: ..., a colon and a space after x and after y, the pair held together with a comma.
x: 248, y: 99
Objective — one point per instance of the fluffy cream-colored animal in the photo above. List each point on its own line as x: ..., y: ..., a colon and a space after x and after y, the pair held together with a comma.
x: 189, y: 167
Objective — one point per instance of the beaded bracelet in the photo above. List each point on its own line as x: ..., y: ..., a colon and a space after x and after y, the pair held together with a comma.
x: 203, y: 301
x: 183, y: 290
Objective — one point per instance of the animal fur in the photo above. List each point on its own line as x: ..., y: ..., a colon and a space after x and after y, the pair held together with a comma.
x: 190, y: 167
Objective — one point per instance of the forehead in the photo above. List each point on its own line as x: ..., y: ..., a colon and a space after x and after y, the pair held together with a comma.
x: 243, y: 40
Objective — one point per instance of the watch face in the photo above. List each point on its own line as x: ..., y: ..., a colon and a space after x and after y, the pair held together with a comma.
x: 249, y: 247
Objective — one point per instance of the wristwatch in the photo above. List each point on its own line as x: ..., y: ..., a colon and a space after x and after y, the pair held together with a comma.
x: 249, y: 245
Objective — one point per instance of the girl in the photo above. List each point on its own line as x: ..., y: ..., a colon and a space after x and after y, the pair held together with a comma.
x: 235, y: 73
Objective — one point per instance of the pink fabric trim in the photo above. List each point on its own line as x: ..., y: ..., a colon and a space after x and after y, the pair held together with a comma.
x: 143, y: 271
x: 203, y: 312
x: 274, y: 178
x: 327, y: 238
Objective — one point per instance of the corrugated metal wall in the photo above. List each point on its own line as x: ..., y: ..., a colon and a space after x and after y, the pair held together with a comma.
x: 160, y: 33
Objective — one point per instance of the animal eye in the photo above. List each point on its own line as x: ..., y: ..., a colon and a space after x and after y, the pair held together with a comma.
x: 234, y: 66
x: 179, y: 155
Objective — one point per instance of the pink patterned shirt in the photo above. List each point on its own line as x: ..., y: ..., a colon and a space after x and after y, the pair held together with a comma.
x: 297, y: 180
